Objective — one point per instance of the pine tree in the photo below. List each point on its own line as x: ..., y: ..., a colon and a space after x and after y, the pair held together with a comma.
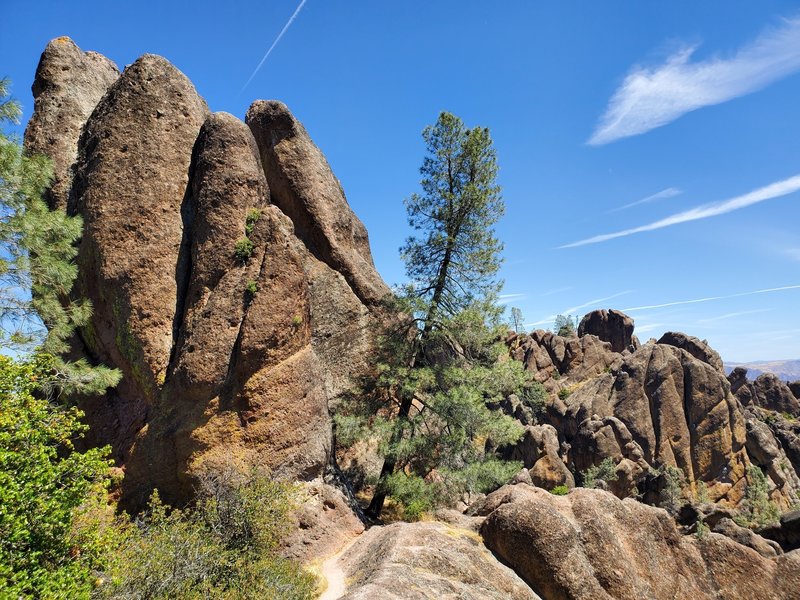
x: 442, y: 365
x: 37, y: 268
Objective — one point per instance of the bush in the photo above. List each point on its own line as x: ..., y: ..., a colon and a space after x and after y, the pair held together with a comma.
x: 46, y: 549
x: 606, y: 471
x: 564, y: 393
x: 243, y: 250
x: 534, y: 395
x: 671, y: 494
x: 560, y: 490
x: 222, y: 548
x: 251, y: 289
x: 252, y: 218
x: 759, y: 510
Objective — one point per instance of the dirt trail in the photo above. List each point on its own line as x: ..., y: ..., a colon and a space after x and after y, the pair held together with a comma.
x: 334, y: 575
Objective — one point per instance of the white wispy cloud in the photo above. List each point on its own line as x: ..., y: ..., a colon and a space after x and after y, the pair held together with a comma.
x: 667, y: 193
x: 792, y: 253
x: 275, y: 43
x: 556, y: 291
x: 704, y: 211
x: 652, y: 97
x: 507, y: 298
x: 711, y: 298
x: 646, y: 328
x: 594, y: 302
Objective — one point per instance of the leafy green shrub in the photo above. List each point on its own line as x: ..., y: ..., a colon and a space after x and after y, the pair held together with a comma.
x: 671, y: 494
x: 701, y: 495
x: 243, y: 250
x: 560, y: 490
x: 605, y: 471
x: 297, y: 320
x: 252, y: 218
x: 759, y: 510
x: 534, y: 395
x: 251, y: 289
x: 46, y: 551
x: 222, y: 548
x: 564, y: 393
x: 702, y: 530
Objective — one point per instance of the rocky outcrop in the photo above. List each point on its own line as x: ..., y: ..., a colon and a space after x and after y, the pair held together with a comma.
x: 538, y: 450
x: 767, y: 391
x: 591, y: 545
x: 305, y: 189
x: 549, y: 356
x: 235, y: 320
x: 794, y: 387
x: 694, y: 346
x: 416, y: 561
x: 679, y: 412
x: 786, y: 533
x: 610, y: 326
x: 68, y: 85
x: 321, y: 524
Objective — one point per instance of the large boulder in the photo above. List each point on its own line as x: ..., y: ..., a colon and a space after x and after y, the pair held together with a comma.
x: 304, y: 188
x: 68, y: 85
x: 610, y: 326
x: 538, y: 450
x: 591, y: 545
x: 416, y: 561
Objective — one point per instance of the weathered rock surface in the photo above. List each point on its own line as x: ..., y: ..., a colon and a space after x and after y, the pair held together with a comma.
x: 322, y: 524
x: 411, y: 561
x: 591, y: 545
x: 694, y: 346
x: 305, y: 189
x: 610, y: 326
x: 679, y: 412
x: 747, y: 537
x: 68, y: 85
x: 539, y: 452
x: 767, y: 391
x: 549, y: 356
x: 222, y: 355
x: 794, y: 386
x: 786, y: 533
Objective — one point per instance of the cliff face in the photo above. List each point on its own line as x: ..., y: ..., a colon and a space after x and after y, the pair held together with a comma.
x: 236, y: 313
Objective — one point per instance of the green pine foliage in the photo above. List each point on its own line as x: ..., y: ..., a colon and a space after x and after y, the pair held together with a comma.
x: 759, y: 509
x: 443, y: 360
x: 37, y: 267
x: 606, y: 471
x: 50, y: 542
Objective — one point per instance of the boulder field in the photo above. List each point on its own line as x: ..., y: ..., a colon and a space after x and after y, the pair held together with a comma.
x: 234, y: 288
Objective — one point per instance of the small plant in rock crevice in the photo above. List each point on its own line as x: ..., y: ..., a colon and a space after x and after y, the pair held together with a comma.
x: 243, y: 250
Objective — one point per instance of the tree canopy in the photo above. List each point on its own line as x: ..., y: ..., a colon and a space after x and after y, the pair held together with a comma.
x: 441, y: 362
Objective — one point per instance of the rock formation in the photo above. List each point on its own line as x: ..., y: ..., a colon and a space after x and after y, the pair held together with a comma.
x: 610, y: 326
x: 591, y: 545
x: 68, y: 85
x: 662, y: 404
x: 426, y: 561
x: 234, y: 288
x: 236, y: 313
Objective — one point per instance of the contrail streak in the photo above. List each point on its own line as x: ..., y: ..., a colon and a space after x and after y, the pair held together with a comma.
x: 275, y: 43
x: 710, y: 298
x: 774, y: 190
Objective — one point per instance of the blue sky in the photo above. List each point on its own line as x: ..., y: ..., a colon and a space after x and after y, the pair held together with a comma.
x: 649, y: 151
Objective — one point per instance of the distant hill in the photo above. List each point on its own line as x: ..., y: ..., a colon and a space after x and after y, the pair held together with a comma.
x: 787, y: 370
